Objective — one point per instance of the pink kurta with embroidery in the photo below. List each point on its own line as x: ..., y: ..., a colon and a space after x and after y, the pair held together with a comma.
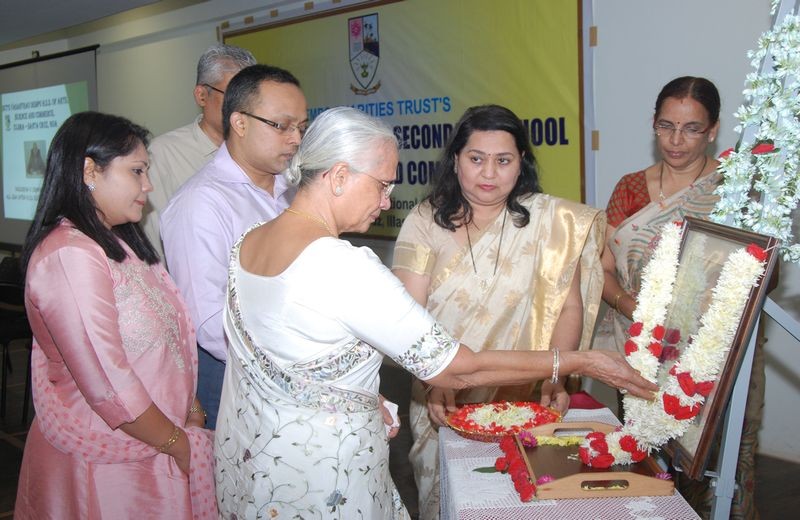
x: 110, y: 338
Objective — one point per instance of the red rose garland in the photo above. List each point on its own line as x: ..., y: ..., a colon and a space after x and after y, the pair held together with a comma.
x: 651, y: 424
x: 514, y: 465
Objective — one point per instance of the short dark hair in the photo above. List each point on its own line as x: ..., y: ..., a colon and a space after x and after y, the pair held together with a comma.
x: 243, y: 88
x: 699, y: 89
x: 102, y: 138
x: 448, y: 201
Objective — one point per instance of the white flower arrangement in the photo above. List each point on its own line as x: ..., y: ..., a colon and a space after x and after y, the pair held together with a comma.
x: 768, y: 166
x: 649, y: 424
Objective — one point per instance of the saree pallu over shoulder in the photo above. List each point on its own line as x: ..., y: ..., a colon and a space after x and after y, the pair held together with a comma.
x: 303, y: 382
x: 521, y: 304
x: 634, y: 241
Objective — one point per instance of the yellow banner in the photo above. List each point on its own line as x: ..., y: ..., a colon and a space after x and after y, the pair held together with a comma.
x: 419, y: 64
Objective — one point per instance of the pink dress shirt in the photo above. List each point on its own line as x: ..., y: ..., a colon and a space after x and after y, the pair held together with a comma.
x: 200, y: 225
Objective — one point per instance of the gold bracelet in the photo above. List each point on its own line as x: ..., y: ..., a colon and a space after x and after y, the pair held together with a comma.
x: 196, y: 408
x: 176, y: 433
x: 616, y: 301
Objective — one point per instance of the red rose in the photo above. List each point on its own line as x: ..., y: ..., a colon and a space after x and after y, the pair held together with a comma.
x: 686, y: 383
x: 762, y: 148
x: 638, y: 455
x: 635, y: 329
x: 658, y: 332
x: 596, y: 435
x: 599, y: 445
x: 686, y: 412
x: 671, y: 404
x: 501, y: 464
x: 704, y: 388
x: 673, y: 336
x: 603, y: 461
x: 726, y: 153
x: 517, y: 467
x: 756, y: 252
x: 583, y: 453
x: 507, y: 444
x: 668, y: 353
x: 527, y: 493
x: 628, y: 443
x: 630, y: 347
x: 655, y: 349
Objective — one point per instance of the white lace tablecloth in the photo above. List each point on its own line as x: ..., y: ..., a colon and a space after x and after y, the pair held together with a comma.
x: 469, y: 495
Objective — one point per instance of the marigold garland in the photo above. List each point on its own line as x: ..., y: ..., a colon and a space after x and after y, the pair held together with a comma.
x: 650, y: 424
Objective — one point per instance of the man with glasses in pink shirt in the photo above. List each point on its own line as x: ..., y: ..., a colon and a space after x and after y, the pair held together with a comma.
x: 180, y: 153
x: 264, y: 116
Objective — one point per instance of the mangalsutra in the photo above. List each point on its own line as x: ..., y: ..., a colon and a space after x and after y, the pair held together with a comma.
x: 313, y: 218
x: 483, y: 281
x: 661, y: 196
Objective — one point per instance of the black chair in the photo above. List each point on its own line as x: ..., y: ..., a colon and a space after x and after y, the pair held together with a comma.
x: 13, y: 326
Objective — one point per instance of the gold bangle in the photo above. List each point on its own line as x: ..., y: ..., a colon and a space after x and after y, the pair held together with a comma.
x: 616, y: 301
x: 176, y: 433
x: 196, y: 408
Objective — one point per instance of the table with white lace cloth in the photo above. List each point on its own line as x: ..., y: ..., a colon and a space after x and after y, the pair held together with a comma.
x: 470, y: 495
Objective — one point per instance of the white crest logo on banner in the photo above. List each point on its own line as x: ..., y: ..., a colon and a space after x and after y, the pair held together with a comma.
x: 364, y: 52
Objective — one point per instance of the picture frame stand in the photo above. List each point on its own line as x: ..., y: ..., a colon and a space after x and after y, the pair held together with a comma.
x: 723, y: 481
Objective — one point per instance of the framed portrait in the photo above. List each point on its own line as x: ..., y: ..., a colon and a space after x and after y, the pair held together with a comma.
x: 704, y: 250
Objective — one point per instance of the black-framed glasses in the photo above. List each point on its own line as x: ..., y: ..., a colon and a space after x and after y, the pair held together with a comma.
x: 689, y: 132
x: 215, y: 89
x: 388, y: 187
x: 282, y: 128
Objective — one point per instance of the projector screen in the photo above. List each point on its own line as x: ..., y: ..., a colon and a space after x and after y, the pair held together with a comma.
x: 36, y: 96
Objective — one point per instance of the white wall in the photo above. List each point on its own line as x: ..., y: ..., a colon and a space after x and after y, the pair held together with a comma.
x: 642, y: 44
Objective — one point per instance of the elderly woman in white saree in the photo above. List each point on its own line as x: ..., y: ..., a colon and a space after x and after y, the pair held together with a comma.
x: 500, y: 265
x: 309, y: 318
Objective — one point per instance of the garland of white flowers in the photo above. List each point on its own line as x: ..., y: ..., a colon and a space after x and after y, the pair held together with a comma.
x: 771, y: 164
x: 649, y: 424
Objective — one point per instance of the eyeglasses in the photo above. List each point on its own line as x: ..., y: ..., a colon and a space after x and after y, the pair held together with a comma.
x: 282, y: 128
x: 689, y: 132
x: 388, y: 187
x: 215, y: 89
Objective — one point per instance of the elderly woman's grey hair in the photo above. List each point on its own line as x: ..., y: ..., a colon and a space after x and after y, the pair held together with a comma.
x: 220, y: 59
x: 340, y: 134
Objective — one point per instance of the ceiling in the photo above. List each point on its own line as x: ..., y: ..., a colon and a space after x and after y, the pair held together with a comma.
x: 28, y: 22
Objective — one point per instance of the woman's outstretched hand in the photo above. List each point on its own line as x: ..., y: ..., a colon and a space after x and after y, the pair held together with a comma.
x: 612, y: 369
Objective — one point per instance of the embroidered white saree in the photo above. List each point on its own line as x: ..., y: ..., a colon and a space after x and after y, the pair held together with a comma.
x: 299, y: 433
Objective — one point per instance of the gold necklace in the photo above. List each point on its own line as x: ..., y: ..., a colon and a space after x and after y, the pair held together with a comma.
x: 483, y: 281
x: 313, y: 218
x: 661, y: 196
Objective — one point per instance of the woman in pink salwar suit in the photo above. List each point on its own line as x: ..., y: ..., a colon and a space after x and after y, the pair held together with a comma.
x: 118, y: 429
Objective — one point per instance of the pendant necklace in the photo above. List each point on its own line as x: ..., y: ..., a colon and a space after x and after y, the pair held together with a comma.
x: 313, y: 218
x: 661, y: 196
x: 484, y: 282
